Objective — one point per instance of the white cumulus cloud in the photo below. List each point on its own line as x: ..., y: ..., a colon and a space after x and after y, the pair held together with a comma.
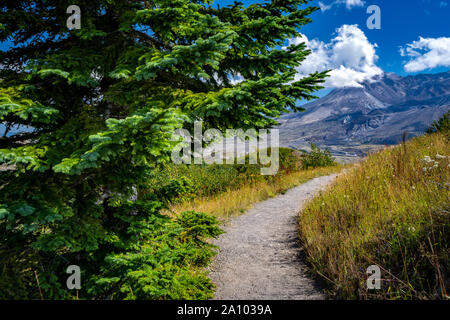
x: 352, y: 3
x: 349, y: 4
x: 427, y: 53
x: 350, y: 55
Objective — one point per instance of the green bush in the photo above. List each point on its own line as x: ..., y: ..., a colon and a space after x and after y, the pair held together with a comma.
x: 167, y: 266
x: 164, y: 259
x: 317, y: 158
x: 441, y: 125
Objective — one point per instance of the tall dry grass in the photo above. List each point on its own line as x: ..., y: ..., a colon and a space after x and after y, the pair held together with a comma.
x: 393, y: 211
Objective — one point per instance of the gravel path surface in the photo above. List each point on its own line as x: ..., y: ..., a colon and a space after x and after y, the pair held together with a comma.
x: 259, y: 256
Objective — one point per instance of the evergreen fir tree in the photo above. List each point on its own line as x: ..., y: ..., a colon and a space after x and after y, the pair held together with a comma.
x: 88, y: 113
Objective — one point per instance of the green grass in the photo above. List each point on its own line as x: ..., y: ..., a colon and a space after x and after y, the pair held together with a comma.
x: 393, y: 211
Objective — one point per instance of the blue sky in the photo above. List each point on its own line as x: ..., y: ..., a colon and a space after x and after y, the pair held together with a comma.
x: 403, y: 22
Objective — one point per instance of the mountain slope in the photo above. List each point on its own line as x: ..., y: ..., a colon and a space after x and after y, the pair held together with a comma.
x: 378, y: 112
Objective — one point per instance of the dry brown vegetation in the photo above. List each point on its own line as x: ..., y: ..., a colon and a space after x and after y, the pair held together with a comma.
x: 393, y: 211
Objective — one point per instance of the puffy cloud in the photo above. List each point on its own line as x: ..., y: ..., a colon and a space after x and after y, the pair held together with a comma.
x: 350, y: 55
x: 427, y: 53
x: 352, y: 3
x: 349, y: 4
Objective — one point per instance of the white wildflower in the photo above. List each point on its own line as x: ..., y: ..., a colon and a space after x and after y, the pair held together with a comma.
x: 427, y: 159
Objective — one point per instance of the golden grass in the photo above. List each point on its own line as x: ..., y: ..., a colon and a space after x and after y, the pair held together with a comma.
x: 234, y: 202
x: 392, y: 210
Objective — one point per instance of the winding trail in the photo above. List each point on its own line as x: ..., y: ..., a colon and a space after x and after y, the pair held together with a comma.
x: 259, y: 256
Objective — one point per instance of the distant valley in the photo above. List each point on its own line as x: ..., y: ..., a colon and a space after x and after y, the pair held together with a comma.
x: 353, y: 121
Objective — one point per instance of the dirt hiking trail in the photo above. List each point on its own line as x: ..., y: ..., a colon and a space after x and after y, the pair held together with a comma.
x: 259, y: 256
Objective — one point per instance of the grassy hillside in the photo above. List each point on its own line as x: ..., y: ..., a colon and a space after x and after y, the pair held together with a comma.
x: 392, y: 210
